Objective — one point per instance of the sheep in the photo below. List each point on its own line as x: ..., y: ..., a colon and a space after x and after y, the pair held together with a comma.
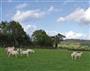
x: 26, y: 52
x: 76, y: 55
x: 73, y: 54
x: 30, y: 51
x: 14, y: 53
x: 9, y: 49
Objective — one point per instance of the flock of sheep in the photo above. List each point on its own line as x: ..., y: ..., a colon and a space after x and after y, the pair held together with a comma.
x: 12, y: 52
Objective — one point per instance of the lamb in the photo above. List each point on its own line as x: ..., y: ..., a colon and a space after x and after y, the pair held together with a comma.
x: 76, y: 55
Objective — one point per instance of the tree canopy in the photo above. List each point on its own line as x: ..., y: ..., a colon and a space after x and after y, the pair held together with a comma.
x: 12, y: 33
x: 39, y: 37
x: 57, y: 39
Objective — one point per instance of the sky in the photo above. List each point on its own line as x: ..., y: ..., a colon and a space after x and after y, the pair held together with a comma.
x: 68, y: 17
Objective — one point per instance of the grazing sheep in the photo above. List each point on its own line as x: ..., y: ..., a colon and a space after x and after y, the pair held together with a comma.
x: 73, y: 54
x: 9, y: 49
x: 76, y: 55
x: 26, y: 52
x: 14, y: 53
x: 30, y: 51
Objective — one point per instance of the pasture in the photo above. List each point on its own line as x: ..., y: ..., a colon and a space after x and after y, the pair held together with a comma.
x: 45, y: 60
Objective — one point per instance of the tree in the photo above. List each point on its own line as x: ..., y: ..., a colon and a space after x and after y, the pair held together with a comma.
x: 57, y: 39
x: 4, y: 26
x: 19, y: 35
x: 39, y: 37
x: 12, y: 33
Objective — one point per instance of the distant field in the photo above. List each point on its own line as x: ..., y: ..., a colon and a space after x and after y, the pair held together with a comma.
x: 45, y: 60
x: 73, y: 44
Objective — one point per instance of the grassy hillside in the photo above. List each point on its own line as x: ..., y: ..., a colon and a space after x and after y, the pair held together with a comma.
x: 82, y: 42
x: 75, y: 43
x: 45, y: 60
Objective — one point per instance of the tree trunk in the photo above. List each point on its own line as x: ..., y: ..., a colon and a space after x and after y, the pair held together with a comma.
x: 56, y: 45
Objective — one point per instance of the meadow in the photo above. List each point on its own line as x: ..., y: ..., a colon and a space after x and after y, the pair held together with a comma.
x: 45, y: 60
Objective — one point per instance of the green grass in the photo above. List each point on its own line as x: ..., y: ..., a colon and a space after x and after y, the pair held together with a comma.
x: 45, y: 60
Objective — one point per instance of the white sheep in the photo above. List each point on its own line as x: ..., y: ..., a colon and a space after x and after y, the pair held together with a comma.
x: 76, y: 55
x: 9, y: 49
x: 14, y: 53
x: 26, y: 52
x: 30, y: 51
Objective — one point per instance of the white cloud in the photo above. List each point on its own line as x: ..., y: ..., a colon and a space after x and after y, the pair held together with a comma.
x: 35, y: 14
x: 30, y: 28
x: 86, y: 17
x: 20, y: 6
x: 76, y: 35
x: 51, y: 33
x: 87, y: 36
x: 23, y: 15
x: 61, y: 19
x: 52, y: 9
x: 73, y: 35
x: 70, y: 34
x: 79, y: 15
x: 27, y: 27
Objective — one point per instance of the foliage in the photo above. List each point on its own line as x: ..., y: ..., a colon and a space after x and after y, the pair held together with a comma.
x: 57, y: 39
x: 39, y: 37
x: 12, y: 33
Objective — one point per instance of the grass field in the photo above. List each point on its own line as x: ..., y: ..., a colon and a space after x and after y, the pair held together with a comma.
x: 44, y: 60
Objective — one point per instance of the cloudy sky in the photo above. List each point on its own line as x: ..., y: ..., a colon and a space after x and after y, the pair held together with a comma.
x: 69, y: 17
